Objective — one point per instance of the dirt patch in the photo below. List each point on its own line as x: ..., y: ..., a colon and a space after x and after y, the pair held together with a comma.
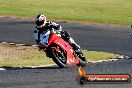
x: 14, y: 52
x: 17, y: 56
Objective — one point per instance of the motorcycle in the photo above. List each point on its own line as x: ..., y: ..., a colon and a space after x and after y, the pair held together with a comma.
x: 61, y: 52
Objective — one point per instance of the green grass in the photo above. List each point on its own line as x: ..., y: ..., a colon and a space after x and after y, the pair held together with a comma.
x: 98, y: 55
x: 109, y: 11
x: 16, y: 56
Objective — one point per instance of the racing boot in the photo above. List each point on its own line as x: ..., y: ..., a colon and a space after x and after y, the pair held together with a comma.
x: 77, y: 49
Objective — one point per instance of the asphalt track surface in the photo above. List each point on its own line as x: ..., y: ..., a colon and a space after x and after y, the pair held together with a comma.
x: 108, y: 38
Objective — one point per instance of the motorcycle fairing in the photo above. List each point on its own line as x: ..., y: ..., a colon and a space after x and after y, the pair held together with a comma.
x: 71, y: 59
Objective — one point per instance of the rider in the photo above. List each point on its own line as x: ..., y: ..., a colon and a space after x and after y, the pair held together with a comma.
x: 44, y: 26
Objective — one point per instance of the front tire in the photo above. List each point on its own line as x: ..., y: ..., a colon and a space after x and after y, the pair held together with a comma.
x: 59, y: 57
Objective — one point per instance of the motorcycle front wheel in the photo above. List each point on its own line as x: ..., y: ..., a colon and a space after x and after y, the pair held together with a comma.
x: 59, y: 56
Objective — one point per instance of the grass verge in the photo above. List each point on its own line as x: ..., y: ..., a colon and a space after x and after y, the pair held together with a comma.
x: 108, y: 11
x: 17, y: 56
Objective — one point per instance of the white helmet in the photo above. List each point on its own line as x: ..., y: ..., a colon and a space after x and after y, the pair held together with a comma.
x: 40, y: 20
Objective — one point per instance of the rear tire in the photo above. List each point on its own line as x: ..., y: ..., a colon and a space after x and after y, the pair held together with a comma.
x: 83, y: 60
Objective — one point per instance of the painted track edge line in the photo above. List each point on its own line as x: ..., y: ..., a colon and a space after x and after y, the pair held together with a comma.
x: 29, y: 67
x: 2, y: 69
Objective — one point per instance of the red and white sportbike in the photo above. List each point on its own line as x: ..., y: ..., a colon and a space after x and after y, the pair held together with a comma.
x: 61, y: 51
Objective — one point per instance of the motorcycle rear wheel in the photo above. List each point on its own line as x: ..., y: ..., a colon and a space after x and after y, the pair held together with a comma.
x: 83, y: 61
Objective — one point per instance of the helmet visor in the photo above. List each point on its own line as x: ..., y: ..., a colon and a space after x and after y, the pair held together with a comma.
x: 39, y: 23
